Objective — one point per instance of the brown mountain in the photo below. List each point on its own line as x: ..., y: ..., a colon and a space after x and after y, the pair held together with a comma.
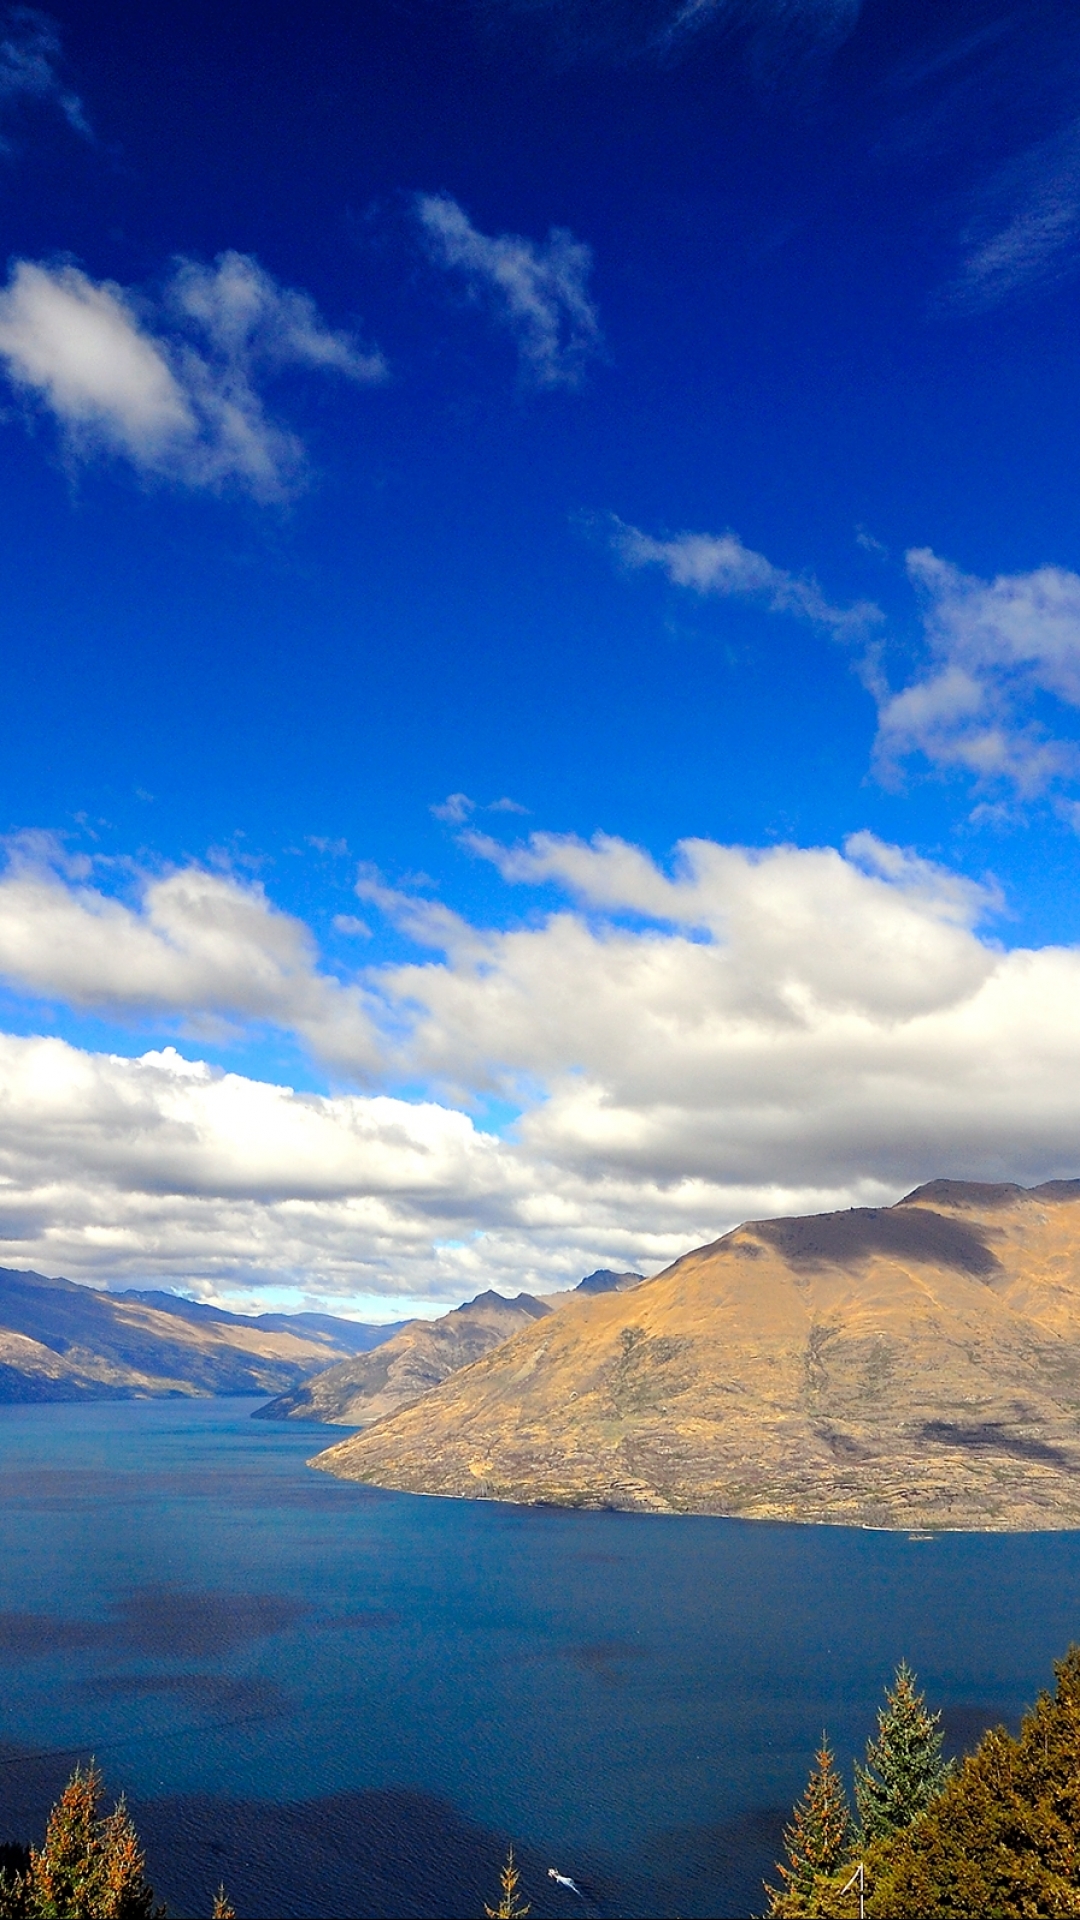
x: 912, y: 1366
x: 63, y: 1341
x: 421, y: 1356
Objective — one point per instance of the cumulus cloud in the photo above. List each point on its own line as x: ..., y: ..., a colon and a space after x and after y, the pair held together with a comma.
x: 537, y: 289
x: 736, y: 1033
x: 30, y: 66
x: 174, y: 390
x: 993, y: 646
x: 719, y: 563
x: 194, y: 945
x: 120, y: 1169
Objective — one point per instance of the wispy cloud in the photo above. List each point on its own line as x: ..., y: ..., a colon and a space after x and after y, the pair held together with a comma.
x: 457, y: 808
x: 1026, y: 234
x: 174, y: 386
x: 30, y: 67
x: 992, y: 650
x: 996, y: 102
x: 779, y: 35
x: 537, y: 289
x: 719, y: 563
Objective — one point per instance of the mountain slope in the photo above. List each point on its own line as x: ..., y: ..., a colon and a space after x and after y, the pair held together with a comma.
x: 917, y: 1365
x: 62, y: 1341
x: 421, y: 1356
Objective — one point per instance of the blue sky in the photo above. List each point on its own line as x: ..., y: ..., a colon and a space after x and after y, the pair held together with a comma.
x: 638, y: 421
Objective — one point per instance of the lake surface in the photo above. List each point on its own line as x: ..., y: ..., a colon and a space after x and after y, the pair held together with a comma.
x: 342, y: 1701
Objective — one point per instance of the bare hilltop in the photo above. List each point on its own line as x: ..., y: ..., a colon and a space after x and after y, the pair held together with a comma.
x: 912, y: 1366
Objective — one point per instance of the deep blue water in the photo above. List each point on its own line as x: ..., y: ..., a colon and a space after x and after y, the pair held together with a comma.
x: 342, y: 1701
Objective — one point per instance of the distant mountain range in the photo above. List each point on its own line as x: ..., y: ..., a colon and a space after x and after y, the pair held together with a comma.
x: 63, y: 1341
x: 909, y: 1366
x: 421, y: 1355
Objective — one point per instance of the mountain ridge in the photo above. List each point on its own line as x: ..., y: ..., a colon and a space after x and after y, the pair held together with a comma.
x: 422, y: 1354
x: 914, y: 1366
x: 62, y: 1340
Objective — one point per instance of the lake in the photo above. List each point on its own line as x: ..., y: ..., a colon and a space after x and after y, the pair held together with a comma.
x: 343, y: 1701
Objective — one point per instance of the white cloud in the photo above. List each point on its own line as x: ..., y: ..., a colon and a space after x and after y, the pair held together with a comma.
x: 993, y: 646
x: 177, y: 393
x: 455, y: 809
x: 741, y: 1032
x: 819, y: 1019
x: 30, y: 57
x: 539, y: 290
x: 113, y: 1168
x: 195, y: 945
x: 719, y: 563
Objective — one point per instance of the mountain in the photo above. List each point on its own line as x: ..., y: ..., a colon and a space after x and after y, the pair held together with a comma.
x: 62, y: 1341
x: 421, y: 1356
x: 907, y: 1366
x: 604, y: 1281
x: 355, y: 1336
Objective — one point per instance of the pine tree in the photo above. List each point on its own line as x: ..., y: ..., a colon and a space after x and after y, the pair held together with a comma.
x: 509, y: 1907
x: 905, y: 1771
x: 223, y: 1910
x: 1003, y: 1838
x: 818, y: 1837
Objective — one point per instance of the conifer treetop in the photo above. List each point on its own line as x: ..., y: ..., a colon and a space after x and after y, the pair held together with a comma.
x: 818, y: 1839
x: 905, y: 1770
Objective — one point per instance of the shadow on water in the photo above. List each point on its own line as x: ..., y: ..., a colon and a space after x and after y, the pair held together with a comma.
x: 156, y: 1622
x: 393, y: 1851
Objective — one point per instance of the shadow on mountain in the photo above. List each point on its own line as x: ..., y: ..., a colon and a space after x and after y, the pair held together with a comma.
x: 989, y: 1436
x: 846, y: 1239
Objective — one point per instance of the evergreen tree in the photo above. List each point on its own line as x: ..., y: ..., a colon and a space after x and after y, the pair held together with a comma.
x: 1002, y: 1840
x: 509, y: 1907
x: 904, y: 1771
x: 818, y: 1837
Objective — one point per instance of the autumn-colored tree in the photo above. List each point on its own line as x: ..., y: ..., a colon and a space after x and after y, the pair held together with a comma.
x: 905, y: 1771
x: 509, y: 1907
x: 818, y: 1839
x: 223, y: 1909
x: 91, y: 1866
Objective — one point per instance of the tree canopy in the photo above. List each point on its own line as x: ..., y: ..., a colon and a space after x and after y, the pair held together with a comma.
x: 1001, y: 1839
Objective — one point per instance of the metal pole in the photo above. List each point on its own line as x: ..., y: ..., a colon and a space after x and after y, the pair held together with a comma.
x: 858, y: 1879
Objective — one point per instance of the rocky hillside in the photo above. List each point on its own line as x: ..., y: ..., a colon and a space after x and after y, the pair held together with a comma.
x: 62, y: 1341
x: 421, y: 1356
x: 910, y: 1366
